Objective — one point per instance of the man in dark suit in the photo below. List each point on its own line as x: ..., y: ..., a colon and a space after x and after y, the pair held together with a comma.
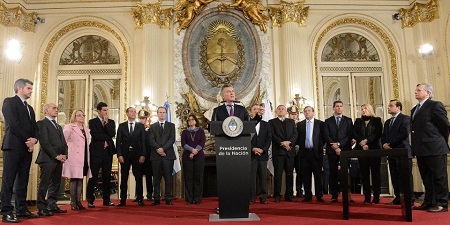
x: 162, y: 155
x: 396, y: 135
x: 131, y: 153
x: 52, y: 155
x: 101, y: 151
x: 429, y: 142
x: 338, y: 130
x: 310, y: 142
x: 221, y: 112
x: 284, y: 137
x: 260, y: 146
x: 21, y: 134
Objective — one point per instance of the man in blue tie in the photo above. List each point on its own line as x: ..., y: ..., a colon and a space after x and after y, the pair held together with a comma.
x: 310, y: 142
x: 429, y: 142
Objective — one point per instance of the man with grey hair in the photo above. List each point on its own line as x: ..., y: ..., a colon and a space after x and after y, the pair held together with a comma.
x: 21, y: 134
x: 52, y: 155
x: 429, y: 138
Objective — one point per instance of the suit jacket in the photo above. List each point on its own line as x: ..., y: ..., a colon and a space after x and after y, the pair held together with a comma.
x: 317, y: 138
x: 342, y: 134
x: 135, y: 140
x: 164, y: 139
x: 398, y: 135
x: 19, y: 125
x: 220, y: 113
x: 262, y: 140
x: 429, y: 129
x: 73, y: 167
x: 52, y: 142
x: 283, y: 131
x: 100, y: 134
x: 374, y: 131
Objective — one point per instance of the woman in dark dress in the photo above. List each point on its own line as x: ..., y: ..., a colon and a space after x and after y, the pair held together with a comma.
x: 367, y: 134
x: 193, y: 141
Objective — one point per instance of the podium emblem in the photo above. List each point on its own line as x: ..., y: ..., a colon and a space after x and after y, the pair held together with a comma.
x: 232, y: 126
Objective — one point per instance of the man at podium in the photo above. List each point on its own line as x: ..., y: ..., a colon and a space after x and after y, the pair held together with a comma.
x: 229, y: 108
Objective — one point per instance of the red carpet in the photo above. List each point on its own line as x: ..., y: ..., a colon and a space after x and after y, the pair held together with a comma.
x: 273, y: 213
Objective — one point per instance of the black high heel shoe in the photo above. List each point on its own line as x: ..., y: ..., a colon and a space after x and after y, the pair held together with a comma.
x: 73, y: 206
x: 80, y: 206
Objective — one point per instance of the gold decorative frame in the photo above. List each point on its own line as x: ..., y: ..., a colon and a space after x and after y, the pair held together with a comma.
x: 17, y: 17
x: 54, y: 40
x: 419, y: 12
x: 371, y: 26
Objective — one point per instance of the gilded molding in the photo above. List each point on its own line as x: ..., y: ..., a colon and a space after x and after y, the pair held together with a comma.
x: 152, y: 14
x: 63, y: 31
x: 371, y: 91
x: 187, y: 10
x: 371, y: 26
x: 253, y: 10
x: 289, y: 12
x: 419, y: 12
x: 17, y: 17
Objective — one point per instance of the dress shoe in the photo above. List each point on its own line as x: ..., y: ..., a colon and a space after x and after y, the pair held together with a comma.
x: 140, y: 202
x: 44, y: 212
x: 73, y: 206
x: 156, y: 202
x: 422, y: 207
x: 149, y: 198
x: 10, y: 218
x: 376, y: 200
x: 307, y: 200
x: 57, y: 210
x: 26, y: 214
x: 121, y: 203
x: 395, y: 201
x: 263, y: 201
x: 320, y: 199
x: 277, y: 199
x: 169, y: 202
x: 108, y: 204
x: 438, y: 208
x: 80, y: 206
x: 290, y: 199
x: 333, y: 200
x: 91, y: 205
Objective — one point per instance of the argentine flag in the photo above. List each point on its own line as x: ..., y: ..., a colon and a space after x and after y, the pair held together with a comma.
x: 176, y: 163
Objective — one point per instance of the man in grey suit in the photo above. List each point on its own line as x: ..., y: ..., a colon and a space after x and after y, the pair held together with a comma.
x: 21, y: 134
x: 429, y: 138
x: 162, y: 155
x: 52, y: 155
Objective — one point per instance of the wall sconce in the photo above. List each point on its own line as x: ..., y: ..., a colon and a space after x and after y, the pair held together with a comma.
x: 425, y: 50
x: 397, y: 16
x: 14, y: 50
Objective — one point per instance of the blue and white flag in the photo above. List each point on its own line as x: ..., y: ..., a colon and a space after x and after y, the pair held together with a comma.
x: 266, y: 117
x: 176, y: 163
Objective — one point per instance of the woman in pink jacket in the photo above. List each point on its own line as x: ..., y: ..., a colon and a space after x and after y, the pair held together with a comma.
x: 77, y: 163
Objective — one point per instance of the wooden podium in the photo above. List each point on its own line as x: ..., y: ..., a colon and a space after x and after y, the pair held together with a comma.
x: 233, y: 161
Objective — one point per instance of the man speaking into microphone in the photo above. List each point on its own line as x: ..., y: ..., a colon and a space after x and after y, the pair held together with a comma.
x: 229, y: 108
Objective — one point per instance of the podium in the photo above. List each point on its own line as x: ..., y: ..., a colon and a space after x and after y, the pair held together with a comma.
x: 233, y: 162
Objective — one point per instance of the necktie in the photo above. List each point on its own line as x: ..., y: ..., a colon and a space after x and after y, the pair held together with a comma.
x: 308, y: 140
x: 161, y: 127
x: 231, y: 111
x: 28, y: 109
x: 417, y: 109
x: 131, y: 128
x: 391, y: 123
x: 56, y: 125
x: 104, y: 122
x: 338, y: 120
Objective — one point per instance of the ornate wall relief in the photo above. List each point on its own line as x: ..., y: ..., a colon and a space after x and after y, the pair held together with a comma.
x: 221, y: 47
